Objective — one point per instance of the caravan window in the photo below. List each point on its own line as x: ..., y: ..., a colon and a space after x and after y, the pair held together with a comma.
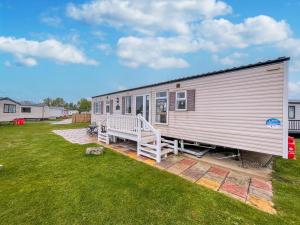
x: 9, y: 108
x: 107, y: 106
x: 128, y: 104
x: 181, y: 100
x: 26, y: 110
x: 96, y: 107
x: 291, y: 112
x: 161, y: 115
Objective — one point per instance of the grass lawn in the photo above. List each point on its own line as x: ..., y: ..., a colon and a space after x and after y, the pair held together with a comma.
x: 47, y: 180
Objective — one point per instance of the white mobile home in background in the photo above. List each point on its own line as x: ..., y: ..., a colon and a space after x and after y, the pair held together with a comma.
x: 11, y: 109
x: 243, y: 108
x: 294, y: 116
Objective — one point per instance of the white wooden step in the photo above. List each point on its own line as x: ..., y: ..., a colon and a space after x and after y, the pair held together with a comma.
x: 149, y: 150
x: 148, y: 145
x: 146, y: 154
x: 148, y: 139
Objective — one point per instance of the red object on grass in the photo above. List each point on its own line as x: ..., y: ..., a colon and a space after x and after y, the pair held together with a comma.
x: 19, y: 121
x: 291, y: 148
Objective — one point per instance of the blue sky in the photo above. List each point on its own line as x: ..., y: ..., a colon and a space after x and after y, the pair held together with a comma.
x: 78, y: 48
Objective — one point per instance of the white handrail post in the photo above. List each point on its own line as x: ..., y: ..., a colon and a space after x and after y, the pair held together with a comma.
x: 139, y: 135
x: 158, y: 147
x: 176, y: 147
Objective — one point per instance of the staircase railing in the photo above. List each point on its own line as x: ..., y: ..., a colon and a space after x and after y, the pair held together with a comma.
x: 144, y: 124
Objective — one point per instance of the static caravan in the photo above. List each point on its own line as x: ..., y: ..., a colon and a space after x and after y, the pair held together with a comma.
x: 52, y: 112
x: 32, y: 111
x: 243, y: 108
x: 9, y: 109
x: 294, y: 116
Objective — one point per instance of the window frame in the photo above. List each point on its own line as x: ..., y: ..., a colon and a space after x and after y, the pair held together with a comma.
x: 294, y: 109
x: 180, y: 99
x: 97, y: 109
x: 128, y: 113
x: 25, y: 108
x: 167, y: 98
x: 14, y: 105
x: 107, y: 104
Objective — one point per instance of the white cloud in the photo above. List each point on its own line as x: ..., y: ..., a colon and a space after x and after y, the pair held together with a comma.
x: 168, y: 30
x: 157, y: 53
x: 252, y: 31
x: 53, y: 21
x: 291, y: 47
x: 106, y: 48
x: 27, y: 50
x: 209, y: 35
x: 25, y: 61
x: 294, y: 89
x: 148, y: 16
x: 231, y: 59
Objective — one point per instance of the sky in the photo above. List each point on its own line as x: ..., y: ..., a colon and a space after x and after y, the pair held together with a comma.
x: 81, y: 48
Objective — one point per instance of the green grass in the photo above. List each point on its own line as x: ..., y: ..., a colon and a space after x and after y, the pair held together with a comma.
x: 47, y: 180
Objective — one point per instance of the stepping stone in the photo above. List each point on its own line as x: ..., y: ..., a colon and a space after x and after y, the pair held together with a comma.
x: 219, y: 171
x: 209, y: 183
x: 168, y: 162
x: 213, y: 178
x: 238, y: 179
x: 262, y: 184
x: 181, y: 166
x: 237, y: 185
x: 234, y: 189
x: 261, y: 204
x: 260, y: 193
x: 195, y: 172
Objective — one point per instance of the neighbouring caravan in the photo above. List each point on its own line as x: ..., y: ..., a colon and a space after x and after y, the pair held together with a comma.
x: 242, y: 108
x: 294, y: 116
x: 11, y: 109
x: 30, y: 110
x: 53, y: 112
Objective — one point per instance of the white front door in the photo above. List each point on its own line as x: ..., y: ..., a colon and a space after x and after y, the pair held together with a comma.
x: 142, y: 106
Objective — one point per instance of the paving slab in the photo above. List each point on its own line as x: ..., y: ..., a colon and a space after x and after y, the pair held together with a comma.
x: 196, y: 171
x: 260, y: 193
x: 217, y: 170
x: 181, y: 166
x: 262, y: 184
x: 168, y: 162
x: 236, y: 185
x: 209, y: 183
x: 261, y: 204
x: 234, y: 189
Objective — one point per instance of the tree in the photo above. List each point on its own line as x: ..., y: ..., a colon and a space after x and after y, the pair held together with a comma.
x: 47, y: 101
x: 84, y: 105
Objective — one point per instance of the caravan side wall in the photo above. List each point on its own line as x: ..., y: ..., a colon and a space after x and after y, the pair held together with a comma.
x: 6, y: 117
x: 231, y: 109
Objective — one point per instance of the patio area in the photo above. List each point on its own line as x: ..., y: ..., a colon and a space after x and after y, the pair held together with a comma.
x: 250, y: 189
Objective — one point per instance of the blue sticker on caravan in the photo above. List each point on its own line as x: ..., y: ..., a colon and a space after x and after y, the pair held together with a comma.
x: 273, y: 123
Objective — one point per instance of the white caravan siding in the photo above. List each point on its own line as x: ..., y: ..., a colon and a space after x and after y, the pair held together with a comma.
x: 37, y: 112
x: 6, y: 117
x: 231, y: 109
